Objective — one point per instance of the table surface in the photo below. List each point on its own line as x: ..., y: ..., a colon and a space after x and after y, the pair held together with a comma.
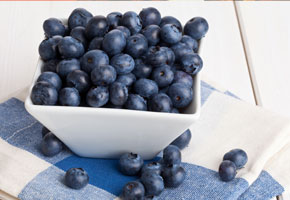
x: 243, y: 52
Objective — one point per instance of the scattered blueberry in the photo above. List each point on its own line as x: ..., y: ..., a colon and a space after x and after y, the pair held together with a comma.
x: 183, y: 77
x: 64, y: 67
x: 93, y: 59
x: 69, y: 97
x: 142, y: 70
x: 160, y: 103
x: 152, y: 34
x: 191, y: 63
x: 170, y: 34
x: 153, y: 183
x: 132, y: 21
x: 79, y: 17
x: 171, y: 155
x: 227, y: 170
x: 52, y: 78
x: 114, y: 42
x: 98, y: 96
x: 97, y: 27
x: 137, y: 45
x: 133, y: 190
x: 114, y: 19
x: 173, y: 175
x: 136, y: 102
x: 43, y: 93
x: 146, y: 87
x: 180, y: 94
x: 163, y: 76
x: 79, y: 80
x: 123, y: 63
x: 70, y: 48
x: 50, y: 145
x: 52, y: 27
x: 76, y: 178
x: 150, y: 16
x: 237, y: 156
x: 170, y: 20
x: 153, y: 167
x: 118, y: 93
x: 130, y: 164
x: 196, y: 28
x: 183, y: 140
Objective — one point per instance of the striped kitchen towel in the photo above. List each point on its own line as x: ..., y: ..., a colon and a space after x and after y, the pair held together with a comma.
x: 225, y: 123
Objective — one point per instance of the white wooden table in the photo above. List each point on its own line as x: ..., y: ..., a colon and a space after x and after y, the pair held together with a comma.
x: 246, y: 50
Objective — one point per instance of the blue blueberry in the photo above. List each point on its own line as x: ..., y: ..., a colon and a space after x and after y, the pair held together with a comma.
x: 133, y: 190
x: 126, y: 79
x: 79, y: 80
x: 153, y: 183
x: 103, y: 75
x: 181, y: 49
x: 124, y: 30
x: 93, y: 59
x: 163, y: 75
x: 66, y: 66
x: 50, y: 145
x: 130, y: 164
x: 52, y: 27
x: 156, y: 56
x: 191, y: 63
x: 76, y: 178
x: 237, y: 156
x: 67, y: 30
x: 183, y: 140
x: 141, y: 69
x: 181, y: 95
x: 173, y: 175
x: 118, y: 93
x: 150, y: 16
x: 96, y: 43
x: 136, y: 102
x: 43, y: 93
x: 137, y: 45
x: 170, y: 34
x: 69, y: 97
x: 152, y: 34
x: 98, y: 96
x: 49, y: 66
x: 123, y: 63
x: 183, y: 77
x: 192, y: 43
x: 132, y: 21
x: 170, y: 56
x: 79, y: 34
x: 114, y: 42
x: 164, y: 90
x: 48, y: 48
x: 160, y: 103
x: 196, y: 28
x: 227, y: 170
x: 44, y: 131
x: 175, y: 110
x: 146, y: 87
x: 175, y: 67
x: 152, y: 167
x: 97, y: 27
x: 170, y: 20
x: 79, y: 17
x: 70, y: 48
x: 51, y: 78
x: 114, y: 19
x: 171, y: 155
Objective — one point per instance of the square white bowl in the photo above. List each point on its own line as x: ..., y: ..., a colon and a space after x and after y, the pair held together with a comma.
x: 107, y: 132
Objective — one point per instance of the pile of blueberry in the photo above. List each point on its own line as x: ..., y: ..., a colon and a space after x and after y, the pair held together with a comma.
x: 138, y: 62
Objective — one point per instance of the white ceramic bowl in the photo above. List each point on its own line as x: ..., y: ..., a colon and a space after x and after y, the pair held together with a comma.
x: 108, y: 133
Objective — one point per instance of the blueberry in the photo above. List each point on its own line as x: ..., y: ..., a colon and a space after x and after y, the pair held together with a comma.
x: 97, y: 27
x: 173, y: 176
x: 49, y: 66
x: 175, y: 67
x: 196, y: 28
x: 133, y: 190
x: 175, y: 110
x: 124, y: 30
x: 123, y: 63
x: 79, y: 34
x: 67, y: 30
x: 66, y: 66
x: 118, y: 93
x: 114, y: 19
x: 79, y: 17
x: 130, y: 164
x: 192, y: 43
x: 150, y: 16
x: 183, y: 140
x: 160, y: 103
x: 170, y: 20
x: 145, y: 87
x: 237, y: 156
x: 98, y: 96
x: 170, y: 56
x: 137, y: 45
x: 156, y: 56
x: 48, y: 48
x: 43, y: 93
x: 183, y: 77
x: 153, y: 167
x: 152, y: 34
x: 114, y: 42
x: 142, y: 70
x: 52, y: 27
x: 136, y: 102
x: 180, y: 95
x: 96, y: 43
x: 191, y: 63
x: 126, y: 79
x: 170, y: 34
x: 132, y: 21
x: 44, y: 131
x: 164, y: 90
x: 69, y: 97
x: 227, y: 170
x: 76, y: 178
x: 103, y: 75
x: 51, y: 78
x: 171, y: 155
x: 79, y: 80
x: 181, y: 49
x: 163, y: 76
x: 50, y: 145
x: 153, y: 183
x: 70, y: 48
x: 93, y: 59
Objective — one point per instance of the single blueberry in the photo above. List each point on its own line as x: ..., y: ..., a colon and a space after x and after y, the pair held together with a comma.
x: 150, y: 16
x: 79, y: 80
x: 173, y: 176
x: 114, y: 19
x: 69, y: 97
x: 93, y: 59
x: 51, y: 78
x: 156, y: 56
x: 66, y: 66
x: 183, y: 77
x: 50, y: 145
x: 136, y: 102
x: 97, y: 27
x: 114, y: 42
x: 181, y: 95
x: 98, y: 96
x: 170, y: 56
x: 123, y: 63
x: 70, y: 48
x: 49, y: 66
x: 130, y: 164
x: 132, y: 21
x: 152, y: 167
x: 153, y: 183
x: 196, y: 28
x: 171, y: 155
x: 43, y: 93
x: 192, y: 43
x: 48, y: 48
x: 146, y: 87
x: 133, y: 190
x: 142, y: 70
x: 181, y: 49
x: 170, y: 20
x: 191, y: 63
x: 52, y: 27
x: 152, y: 34
x: 137, y: 45
x: 103, y: 75
x: 76, y: 178
x: 170, y: 34
x: 45, y: 131
x: 118, y: 93
x: 163, y: 75
x: 79, y: 34
x: 237, y: 156
x: 79, y: 17
x: 96, y: 43
x: 175, y: 110
x: 124, y: 30
x: 160, y: 103
x: 126, y: 79
x: 183, y: 140
x: 227, y: 170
